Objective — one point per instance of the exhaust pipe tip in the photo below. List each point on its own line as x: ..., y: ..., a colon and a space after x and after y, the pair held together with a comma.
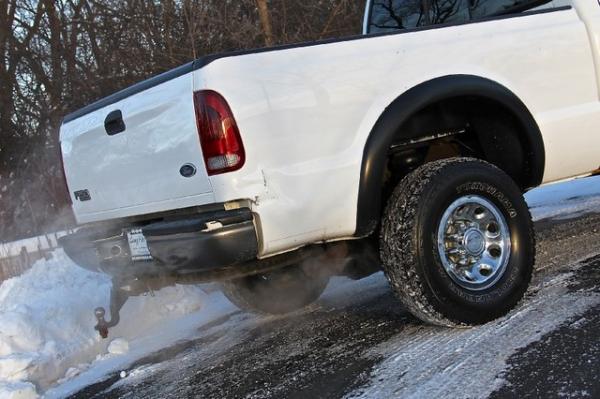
x: 116, y: 250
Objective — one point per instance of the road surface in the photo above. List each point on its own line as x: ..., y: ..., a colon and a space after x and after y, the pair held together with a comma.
x: 357, y: 341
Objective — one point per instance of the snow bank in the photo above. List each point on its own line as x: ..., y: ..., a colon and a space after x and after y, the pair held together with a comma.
x: 47, y: 322
x: 17, y: 390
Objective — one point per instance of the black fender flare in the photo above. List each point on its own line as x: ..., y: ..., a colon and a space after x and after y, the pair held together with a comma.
x: 385, y: 130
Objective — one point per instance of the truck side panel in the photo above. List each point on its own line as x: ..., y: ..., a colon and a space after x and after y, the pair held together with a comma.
x: 305, y: 113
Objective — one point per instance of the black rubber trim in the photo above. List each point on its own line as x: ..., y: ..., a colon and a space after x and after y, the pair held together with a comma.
x: 204, y: 61
x: 386, y: 130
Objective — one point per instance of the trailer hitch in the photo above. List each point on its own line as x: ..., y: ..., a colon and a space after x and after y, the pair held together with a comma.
x: 120, y: 292
x: 118, y: 297
x: 363, y: 257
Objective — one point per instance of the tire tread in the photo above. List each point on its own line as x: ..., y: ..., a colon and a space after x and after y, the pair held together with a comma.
x: 400, y: 222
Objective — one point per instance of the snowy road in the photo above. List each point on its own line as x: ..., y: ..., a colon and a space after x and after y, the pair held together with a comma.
x: 358, y: 342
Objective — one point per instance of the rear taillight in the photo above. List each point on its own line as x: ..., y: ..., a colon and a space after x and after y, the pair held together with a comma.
x: 219, y: 135
x: 64, y: 173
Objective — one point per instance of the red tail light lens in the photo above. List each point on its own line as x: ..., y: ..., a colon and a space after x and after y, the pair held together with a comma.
x: 219, y: 135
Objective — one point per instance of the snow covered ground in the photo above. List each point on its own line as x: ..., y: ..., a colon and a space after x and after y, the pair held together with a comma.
x: 48, y: 345
x: 47, y: 325
x: 565, y: 200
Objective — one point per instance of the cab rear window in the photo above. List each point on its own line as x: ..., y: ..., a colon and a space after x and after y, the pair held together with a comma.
x: 391, y: 15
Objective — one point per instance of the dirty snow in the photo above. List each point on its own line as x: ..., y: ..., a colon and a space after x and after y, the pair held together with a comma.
x: 118, y: 346
x: 17, y: 390
x: 566, y: 199
x: 47, y: 322
x: 48, y: 345
x: 441, y: 362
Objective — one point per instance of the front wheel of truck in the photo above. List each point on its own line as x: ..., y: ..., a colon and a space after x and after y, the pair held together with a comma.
x: 276, y: 292
x: 457, y: 242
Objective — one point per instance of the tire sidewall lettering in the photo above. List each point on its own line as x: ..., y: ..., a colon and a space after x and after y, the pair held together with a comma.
x: 410, y: 250
x: 491, y: 192
x: 503, y: 288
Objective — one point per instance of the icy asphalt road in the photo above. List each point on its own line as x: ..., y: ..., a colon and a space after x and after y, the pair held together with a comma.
x: 358, y: 342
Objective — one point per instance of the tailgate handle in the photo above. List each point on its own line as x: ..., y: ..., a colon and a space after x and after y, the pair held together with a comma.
x: 114, y: 123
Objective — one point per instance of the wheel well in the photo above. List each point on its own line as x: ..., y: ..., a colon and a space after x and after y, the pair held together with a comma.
x: 470, y: 126
x: 455, y: 115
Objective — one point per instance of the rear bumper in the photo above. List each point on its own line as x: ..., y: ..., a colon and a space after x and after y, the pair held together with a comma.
x: 199, y: 242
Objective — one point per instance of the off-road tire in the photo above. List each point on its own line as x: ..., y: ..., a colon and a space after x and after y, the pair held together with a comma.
x: 277, y: 292
x: 409, y: 251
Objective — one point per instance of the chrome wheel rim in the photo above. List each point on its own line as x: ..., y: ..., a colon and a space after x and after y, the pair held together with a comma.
x: 474, y: 242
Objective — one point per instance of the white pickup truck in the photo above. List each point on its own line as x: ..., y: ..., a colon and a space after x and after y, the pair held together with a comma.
x: 407, y: 148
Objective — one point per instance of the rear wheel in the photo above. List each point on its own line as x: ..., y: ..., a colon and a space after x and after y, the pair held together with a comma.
x: 276, y: 292
x: 457, y: 242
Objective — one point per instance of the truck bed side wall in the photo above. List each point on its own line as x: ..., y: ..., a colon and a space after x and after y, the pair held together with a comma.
x: 305, y: 113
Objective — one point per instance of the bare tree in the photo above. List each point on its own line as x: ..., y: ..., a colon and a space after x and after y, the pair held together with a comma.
x: 59, y: 55
x: 265, y: 20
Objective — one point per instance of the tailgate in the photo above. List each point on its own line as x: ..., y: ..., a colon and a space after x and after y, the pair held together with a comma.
x: 139, y: 170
